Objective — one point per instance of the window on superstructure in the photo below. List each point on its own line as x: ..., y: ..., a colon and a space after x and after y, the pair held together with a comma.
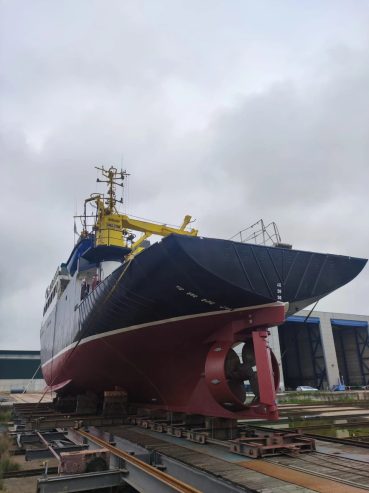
x: 63, y: 284
x: 51, y: 297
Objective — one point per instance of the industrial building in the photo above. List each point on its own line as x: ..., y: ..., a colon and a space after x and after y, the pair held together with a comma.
x: 322, y: 349
x: 20, y: 370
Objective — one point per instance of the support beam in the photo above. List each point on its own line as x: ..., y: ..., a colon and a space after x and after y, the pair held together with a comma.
x: 329, y: 350
x: 141, y: 476
x: 46, y: 453
x: 265, y: 372
x: 276, y: 348
x: 33, y: 438
x: 82, y: 482
x: 187, y: 477
x: 204, y: 482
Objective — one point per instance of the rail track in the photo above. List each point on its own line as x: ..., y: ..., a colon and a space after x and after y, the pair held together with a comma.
x: 318, y: 471
x: 351, y: 472
x: 359, y: 441
x: 168, y: 482
x: 187, y: 463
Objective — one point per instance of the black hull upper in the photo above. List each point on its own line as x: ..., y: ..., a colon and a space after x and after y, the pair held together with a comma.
x: 181, y: 276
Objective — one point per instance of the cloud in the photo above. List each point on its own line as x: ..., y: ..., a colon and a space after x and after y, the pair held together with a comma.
x: 217, y: 111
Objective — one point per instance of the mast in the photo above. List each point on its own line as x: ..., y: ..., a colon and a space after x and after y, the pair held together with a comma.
x: 114, y: 178
x: 114, y: 229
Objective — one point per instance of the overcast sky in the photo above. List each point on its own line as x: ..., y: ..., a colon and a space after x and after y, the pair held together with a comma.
x: 226, y: 110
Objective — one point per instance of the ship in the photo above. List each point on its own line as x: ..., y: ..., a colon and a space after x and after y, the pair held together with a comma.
x: 161, y: 321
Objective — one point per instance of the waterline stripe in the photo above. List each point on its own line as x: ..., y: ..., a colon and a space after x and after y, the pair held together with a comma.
x: 154, y: 324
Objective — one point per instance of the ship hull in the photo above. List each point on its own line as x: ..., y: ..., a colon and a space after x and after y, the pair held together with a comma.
x: 148, y: 327
x: 164, y: 364
x: 183, y: 276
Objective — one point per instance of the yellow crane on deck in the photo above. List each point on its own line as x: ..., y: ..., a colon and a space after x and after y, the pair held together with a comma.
x: 114, y: 229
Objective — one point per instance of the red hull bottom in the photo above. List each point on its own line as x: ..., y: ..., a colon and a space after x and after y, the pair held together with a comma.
x: 176, y: 365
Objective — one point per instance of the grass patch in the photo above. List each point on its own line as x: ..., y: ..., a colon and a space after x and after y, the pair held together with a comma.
x: 4, y: 444
x: 323, y: 398
x: 311, y: 400
x: 294, y: 400
x: 5, y: 415
x: 6, y: 462
x: 8, y: 465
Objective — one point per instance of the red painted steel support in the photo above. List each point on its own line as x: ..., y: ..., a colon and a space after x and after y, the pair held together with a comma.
x: 267, y: 373
x: 229, y: 394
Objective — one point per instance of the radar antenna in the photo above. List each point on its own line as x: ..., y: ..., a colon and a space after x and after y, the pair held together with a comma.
x: 114, y: 178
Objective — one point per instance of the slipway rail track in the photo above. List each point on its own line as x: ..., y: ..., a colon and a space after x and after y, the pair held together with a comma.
x: 342, y: 470
x: 157, y: 455
x: 135, y: 467
x: 337, y: 474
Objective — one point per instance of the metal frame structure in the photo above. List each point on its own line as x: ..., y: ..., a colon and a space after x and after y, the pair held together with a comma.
x: 82, y: 482
x: 316, y: 351
x: 362, y: 345
x: 346, y: 373
x: 177, y: 476
x: 147, y: 469
x: 317, y: 355
x: 361, y: 341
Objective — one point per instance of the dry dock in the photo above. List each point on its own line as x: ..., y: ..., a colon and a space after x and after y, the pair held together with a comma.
x: 151, y: 453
